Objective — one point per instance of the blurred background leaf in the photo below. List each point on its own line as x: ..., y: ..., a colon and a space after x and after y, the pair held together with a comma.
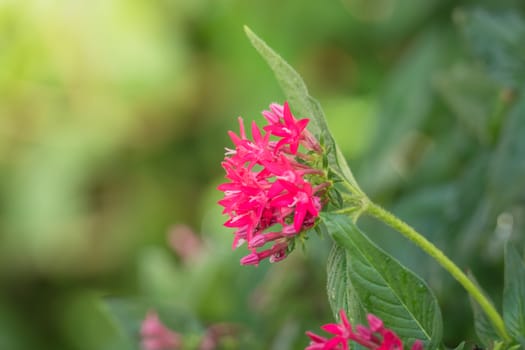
x: 496, y: 38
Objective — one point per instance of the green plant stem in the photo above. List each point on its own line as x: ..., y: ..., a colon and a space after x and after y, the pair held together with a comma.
x: 410, y: 233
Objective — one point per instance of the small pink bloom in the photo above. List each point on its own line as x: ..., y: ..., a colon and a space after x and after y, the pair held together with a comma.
x: 316, y: 339
x: 156, y: 336
x: 376, y: 324
x: 364, y: 333
x: 276, y: 253
x: 274, y: 115
x: 261, y: 239
x: 290, y: 129
x: 390, y: 341
x: 250, y: 259
x: 375, y: 337
x: 271, y: 185
x: 418, y: 345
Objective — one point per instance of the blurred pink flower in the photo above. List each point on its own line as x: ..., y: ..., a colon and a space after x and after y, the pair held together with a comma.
x: 273, y: 193
x: 185, y: 242
x: 156, y: 336
x: 375, y: 337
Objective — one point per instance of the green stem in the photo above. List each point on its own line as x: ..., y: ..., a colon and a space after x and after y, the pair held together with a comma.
x: 407, y: 231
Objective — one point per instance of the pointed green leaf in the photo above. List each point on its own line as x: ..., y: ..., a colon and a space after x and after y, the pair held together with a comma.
x: 484, y: 329
x: 383, y: 286
x: 303, y: 104
x: 514, y: 293
x: 292, y: 84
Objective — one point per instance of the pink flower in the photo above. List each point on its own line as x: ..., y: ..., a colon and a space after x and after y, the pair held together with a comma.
x: 274, y: 192
x: 156, y: 336
x: 282, y: 123
x: 287, y: 127
x: 375, y: 337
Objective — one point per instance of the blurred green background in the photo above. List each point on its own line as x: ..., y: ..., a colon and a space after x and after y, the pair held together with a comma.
x: 113, y: 120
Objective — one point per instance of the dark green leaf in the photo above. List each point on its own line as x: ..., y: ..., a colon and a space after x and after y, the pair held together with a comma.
x: 381, y: 285
x: 484, y: 330
x: 497, y: 38
x: 303, y: 104
x: 514, y: 293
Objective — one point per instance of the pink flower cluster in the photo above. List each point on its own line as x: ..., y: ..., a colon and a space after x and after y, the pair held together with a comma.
x: 375, y: 337
x: 273, y: 193
x: 156, y: 336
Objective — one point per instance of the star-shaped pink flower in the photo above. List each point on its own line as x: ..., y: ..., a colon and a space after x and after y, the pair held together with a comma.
x: 290, y: 129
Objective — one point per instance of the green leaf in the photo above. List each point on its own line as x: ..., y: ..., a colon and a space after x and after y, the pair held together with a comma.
x: 303, y: 104
x: 514, y: 293
x: 381, y: 285
x: 341, y: 294
x: 497, y: 38
x: 507, y: 175
x: 484, y: 329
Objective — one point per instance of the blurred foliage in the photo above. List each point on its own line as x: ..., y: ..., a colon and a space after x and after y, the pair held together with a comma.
x: 113, y: 119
